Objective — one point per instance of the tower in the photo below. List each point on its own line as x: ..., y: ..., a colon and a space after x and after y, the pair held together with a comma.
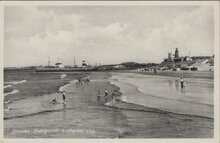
x: 176, y: 53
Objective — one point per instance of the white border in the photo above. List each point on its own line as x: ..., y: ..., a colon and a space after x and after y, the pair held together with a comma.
x: 215, y: 4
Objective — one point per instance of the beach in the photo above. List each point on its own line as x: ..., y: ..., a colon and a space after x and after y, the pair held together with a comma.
x: 138, y: 112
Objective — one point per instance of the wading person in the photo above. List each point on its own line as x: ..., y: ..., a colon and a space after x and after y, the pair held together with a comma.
x: 64, y: 97
x: 182, y: 82
x: 113, y: 96
x: 54, y: 101
x: 98, y: 94
x: 106, y: 92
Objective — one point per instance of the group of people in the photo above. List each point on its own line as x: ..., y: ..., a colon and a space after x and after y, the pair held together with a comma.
x: 54, y: 101
x: 106, y: 95
x: 82, y: 82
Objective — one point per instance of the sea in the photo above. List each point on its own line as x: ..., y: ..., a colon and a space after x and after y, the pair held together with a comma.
x: 191, y: 110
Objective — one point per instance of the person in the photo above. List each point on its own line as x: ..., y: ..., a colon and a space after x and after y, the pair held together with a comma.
x: 79, y: 82
x: 106, y: 92
x: 88, y: 80
x: 113, y: 95
x: 182, y: 82
x: 64, y: 97
x: 54, y: 101
x: 98, y: 94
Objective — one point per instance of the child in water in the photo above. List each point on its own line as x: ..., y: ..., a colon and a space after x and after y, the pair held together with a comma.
x: 64, y: 97
x: 99, y: 94
x: 54, y: 101
x: 113, y: 95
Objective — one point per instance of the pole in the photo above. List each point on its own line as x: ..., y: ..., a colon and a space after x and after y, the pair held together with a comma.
x: 48, y: 61
x: 74, y: 62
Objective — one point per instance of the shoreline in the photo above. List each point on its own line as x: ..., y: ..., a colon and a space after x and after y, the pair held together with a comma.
x: 122, y: 105
x: 37, y: 84
x: 82, y: 104
x: 147, y: 95
x: 125, y: 105
x: 185, y: 74
x: 132, y: 107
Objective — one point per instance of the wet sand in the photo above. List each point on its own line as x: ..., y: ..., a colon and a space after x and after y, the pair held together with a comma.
x: 165, y: 93
x: 86, y: 117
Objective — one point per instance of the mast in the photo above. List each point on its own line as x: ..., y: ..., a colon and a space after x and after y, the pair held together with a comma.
x: 48, y: 61
x: 74, y: 62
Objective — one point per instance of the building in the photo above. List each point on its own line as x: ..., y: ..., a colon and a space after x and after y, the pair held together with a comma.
x: 176, y: 57
x: 59, y: 65
x: 176, y: 53
x: 187, y: 63
x: 169, y: 59
x: 182, y: 59
x: 84, y: 65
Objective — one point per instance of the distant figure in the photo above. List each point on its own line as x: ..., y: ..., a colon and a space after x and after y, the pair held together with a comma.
x: 64, y: 97
x: 113, y: 95
x: 182, y: 82
x: 155, y: 71
x: 98, y: 97
x: 87, y: 80
x: 79, y: 82
x: 106, y: 92
x: 54, y: 101
x: 82, y: 82
x: 99, y: 94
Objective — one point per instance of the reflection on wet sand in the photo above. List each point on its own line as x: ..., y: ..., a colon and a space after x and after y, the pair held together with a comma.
x: 165, y: 93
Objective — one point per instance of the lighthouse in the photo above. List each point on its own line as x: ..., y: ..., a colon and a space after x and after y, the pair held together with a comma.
x: 176, y: 53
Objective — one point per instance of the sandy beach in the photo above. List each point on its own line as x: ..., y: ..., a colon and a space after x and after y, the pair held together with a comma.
x: 85, y: 116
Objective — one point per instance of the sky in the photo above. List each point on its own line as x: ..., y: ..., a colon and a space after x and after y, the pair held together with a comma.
x: 105, y: 34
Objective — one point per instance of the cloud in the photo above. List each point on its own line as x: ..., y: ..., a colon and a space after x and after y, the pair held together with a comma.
x: 61, y: 37
x: 33, y: 34
x: 189, y: 32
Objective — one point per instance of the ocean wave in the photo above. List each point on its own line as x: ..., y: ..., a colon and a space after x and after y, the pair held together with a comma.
x: 7, y: 101
x: 7, y: 86
x: 7, y: 109
x: 48, y: 111
x: 16, y: 82
x: 12, y: 92
x: 61, y: 89
x: 150, y: 109
x: 36, y: 113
